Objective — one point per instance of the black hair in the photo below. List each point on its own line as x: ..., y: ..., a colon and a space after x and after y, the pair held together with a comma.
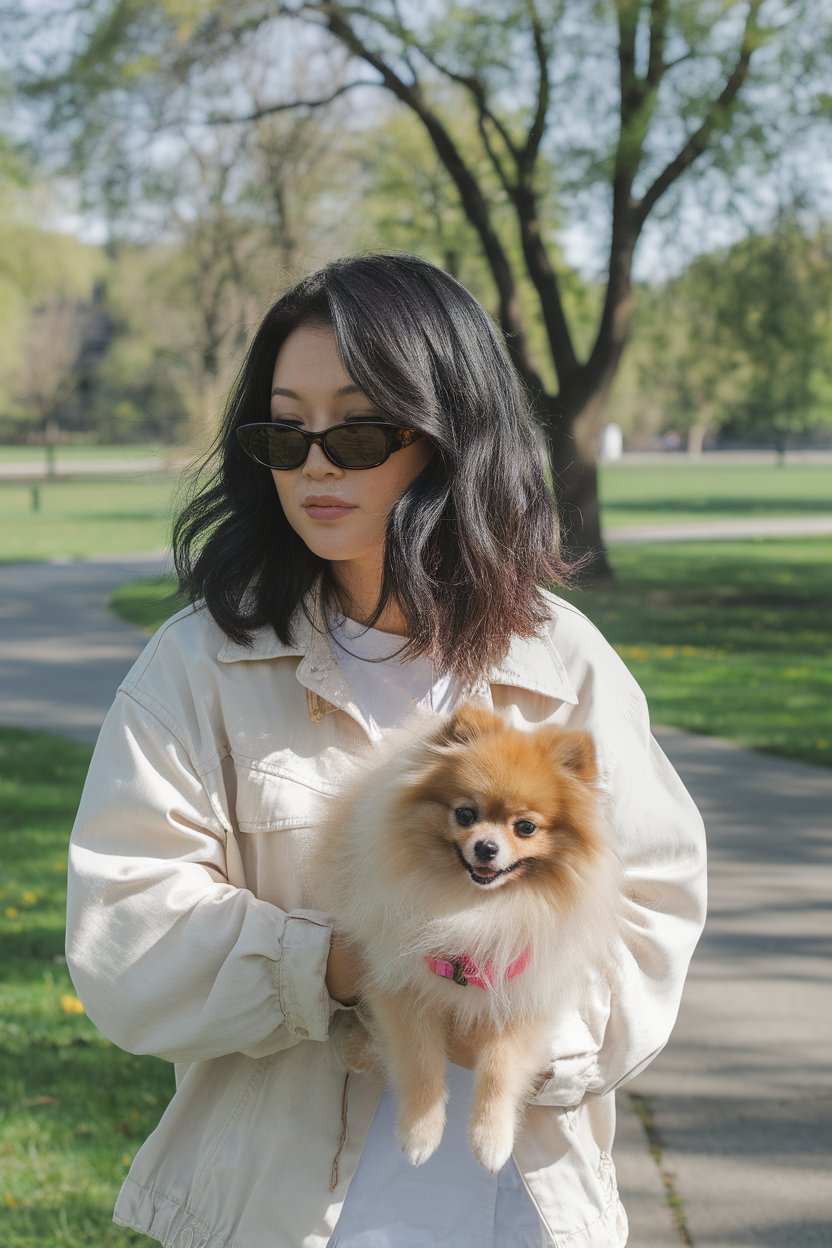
x: 468, y: 542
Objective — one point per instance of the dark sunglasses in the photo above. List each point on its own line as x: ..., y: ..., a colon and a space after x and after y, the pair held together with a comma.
x: 358, y: 445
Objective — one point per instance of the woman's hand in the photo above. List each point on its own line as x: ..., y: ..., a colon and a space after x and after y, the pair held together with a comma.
x: 343, y: 970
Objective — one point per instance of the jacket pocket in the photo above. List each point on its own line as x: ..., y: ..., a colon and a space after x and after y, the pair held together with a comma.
x: 270, y: 802
x: 280, y: 822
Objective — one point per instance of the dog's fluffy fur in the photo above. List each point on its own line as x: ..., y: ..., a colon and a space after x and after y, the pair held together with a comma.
x: 484, y: 840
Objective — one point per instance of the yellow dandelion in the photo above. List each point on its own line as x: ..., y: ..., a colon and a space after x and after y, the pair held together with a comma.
x: 10, y: 912
x: 632, y: 652
x: 10, y: 1202
x: 29, y: 898
x: 71, y: 1005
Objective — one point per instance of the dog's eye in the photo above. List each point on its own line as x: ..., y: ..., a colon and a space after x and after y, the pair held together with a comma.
x: 465, y: 816
x: 525, y: 827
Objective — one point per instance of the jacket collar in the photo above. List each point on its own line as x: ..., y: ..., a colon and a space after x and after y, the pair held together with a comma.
x: 531, y: 663
x: 534, y: 663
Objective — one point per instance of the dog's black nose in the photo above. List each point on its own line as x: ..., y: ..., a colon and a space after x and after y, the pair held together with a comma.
x: 486, y: 850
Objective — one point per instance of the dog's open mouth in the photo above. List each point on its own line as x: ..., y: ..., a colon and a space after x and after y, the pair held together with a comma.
x: 482, y: 874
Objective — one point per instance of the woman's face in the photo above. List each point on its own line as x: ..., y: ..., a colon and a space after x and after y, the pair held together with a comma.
x: 340, y: 513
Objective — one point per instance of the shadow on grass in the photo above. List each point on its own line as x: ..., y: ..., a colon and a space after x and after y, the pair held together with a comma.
x: 718, y: 505
x: 127, y: 516
x: 83, y: 1095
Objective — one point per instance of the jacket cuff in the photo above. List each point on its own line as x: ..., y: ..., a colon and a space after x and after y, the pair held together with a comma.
x: 300, y: 974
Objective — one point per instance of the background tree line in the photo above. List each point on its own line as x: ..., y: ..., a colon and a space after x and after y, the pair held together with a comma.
x: 251, y: 141
x: 140, y: 345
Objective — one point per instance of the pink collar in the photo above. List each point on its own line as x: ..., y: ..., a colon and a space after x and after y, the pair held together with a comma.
x: 463, y: 971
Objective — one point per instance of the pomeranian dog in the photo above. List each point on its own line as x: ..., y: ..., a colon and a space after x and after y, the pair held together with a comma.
x: 470, y: 868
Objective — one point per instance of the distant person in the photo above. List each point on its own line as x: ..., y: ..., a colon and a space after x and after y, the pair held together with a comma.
x: 374, y: 537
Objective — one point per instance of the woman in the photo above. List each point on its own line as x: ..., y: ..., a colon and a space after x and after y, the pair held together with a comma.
x: 373, y: 538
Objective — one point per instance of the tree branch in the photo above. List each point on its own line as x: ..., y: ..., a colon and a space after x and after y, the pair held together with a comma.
x: 658, y: 38
x: 504, y: 179
x: 268, y: 110
x: 716, y: 118
x: 405, y: 55
x: 529, y: 152
x: 474, y: 204
x: 630, y: 87
x: 545, y: 281
x: 477, y: 90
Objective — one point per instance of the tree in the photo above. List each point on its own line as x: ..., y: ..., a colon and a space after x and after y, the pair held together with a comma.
x: 621, y: 98
x: 245, y: 211
x: 49, y: 363
x: 782, y: 326
x: 46, y: 285
x: 738, y: 341
x: 685, y: 357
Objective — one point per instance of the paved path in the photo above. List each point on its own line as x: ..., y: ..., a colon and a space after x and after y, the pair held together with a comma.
x: 62, y: 651
x: 131, y: 462
x: 742, y: 1096
x: 722, y: 529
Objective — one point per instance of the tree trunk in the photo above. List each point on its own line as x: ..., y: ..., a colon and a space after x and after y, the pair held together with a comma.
x: 696, y: 439
x: 50, y: 441
x: 573, y: 456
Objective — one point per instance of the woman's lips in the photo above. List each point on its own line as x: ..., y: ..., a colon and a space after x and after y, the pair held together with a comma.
x: 327, y: 508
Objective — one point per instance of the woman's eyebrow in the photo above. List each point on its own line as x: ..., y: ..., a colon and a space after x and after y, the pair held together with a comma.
x: 293, y: 394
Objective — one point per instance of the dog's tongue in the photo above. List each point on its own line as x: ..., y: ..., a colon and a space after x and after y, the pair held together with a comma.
x: 486, y: 872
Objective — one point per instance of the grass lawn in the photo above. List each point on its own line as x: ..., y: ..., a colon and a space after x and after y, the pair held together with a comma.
x: 731, y: 639
x: 147, y: 603
x: 655, y: 493
x: 76, y: 519
x: 73, y: 1109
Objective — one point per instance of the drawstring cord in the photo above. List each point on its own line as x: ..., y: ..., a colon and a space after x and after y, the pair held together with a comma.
x: 333, y: 1180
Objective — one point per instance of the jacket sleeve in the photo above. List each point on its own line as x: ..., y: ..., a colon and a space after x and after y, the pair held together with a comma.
x: 631, y: 1008
x: 166, y: 955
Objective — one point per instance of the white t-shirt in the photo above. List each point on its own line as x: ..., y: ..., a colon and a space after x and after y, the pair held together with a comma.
x: 450, y: 1200
x: 389, y: 689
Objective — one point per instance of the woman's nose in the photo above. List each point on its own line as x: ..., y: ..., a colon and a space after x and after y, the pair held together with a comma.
x: 317, y: 465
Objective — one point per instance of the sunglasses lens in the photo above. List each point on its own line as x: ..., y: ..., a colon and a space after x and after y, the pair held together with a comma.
x: 348, y: 446
x: 273, y: 446
x: 358, y: 446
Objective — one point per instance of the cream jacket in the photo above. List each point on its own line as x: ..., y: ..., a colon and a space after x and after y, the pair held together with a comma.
x: 193, y: 932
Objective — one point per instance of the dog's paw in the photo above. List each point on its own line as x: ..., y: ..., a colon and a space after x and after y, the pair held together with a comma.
x: 492, y: 1140
x: 420, y: 1137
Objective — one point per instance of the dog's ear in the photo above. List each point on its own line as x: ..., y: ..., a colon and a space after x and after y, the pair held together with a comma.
x: 468, y: 723
x: 576, y: 752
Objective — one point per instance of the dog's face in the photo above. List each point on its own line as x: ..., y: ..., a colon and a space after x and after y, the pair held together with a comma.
x: 498, y: 805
